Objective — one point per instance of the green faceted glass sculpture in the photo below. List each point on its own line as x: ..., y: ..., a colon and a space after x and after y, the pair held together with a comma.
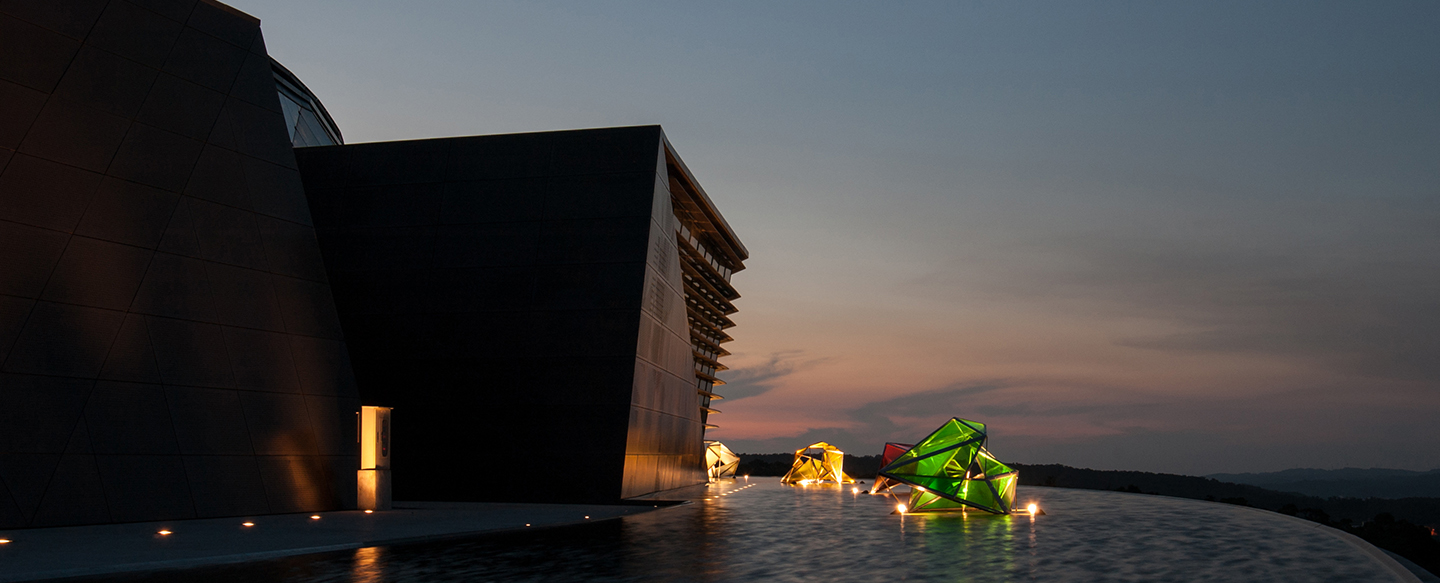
x: 951, y: 470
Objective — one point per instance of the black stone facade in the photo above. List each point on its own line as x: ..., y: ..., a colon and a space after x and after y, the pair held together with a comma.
x: 169, y: 347
x: 518, y: 299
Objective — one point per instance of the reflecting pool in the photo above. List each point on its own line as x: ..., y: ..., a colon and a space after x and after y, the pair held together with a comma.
x: 761, y: 530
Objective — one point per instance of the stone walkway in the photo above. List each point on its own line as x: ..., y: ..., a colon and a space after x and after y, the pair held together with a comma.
x: 48, y: 553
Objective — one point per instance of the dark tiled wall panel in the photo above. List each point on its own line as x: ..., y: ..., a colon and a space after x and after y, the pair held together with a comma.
x: 491, y: 290
x: 168, y: 343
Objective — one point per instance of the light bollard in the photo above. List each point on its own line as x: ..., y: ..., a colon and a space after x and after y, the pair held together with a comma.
x: 373, y: 479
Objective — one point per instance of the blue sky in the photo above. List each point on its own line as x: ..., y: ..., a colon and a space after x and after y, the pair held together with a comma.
x: 1187, y: 237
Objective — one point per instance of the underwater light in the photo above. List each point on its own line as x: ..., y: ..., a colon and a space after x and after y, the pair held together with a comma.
x: 247, y: 524
x: 4, y: 541
x: 164, y: 533
x: 314, y: 517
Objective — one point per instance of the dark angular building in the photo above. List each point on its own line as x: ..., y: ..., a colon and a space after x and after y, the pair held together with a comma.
x: 544, y: 311
x: 169, y: 346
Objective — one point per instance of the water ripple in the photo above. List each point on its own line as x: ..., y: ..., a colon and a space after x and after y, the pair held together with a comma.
x: 771, y: 532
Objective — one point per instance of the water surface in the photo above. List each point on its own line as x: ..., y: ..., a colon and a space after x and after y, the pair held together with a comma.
x: 771, y: 532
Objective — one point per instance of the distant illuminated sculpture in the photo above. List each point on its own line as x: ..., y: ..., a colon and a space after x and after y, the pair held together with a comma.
x: 892, y: 451
x: 720, y: 462
x: 824, y: 465
x: 951, y: 470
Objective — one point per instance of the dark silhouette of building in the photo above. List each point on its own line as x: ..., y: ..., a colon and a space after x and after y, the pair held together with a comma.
x: 169, y: 347
x: 544, y: 311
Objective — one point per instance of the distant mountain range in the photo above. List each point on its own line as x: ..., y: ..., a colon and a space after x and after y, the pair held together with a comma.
x: 1346, y: 482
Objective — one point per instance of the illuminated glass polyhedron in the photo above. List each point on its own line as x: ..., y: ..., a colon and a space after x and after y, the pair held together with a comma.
x: 951, y: 469
x: 892, y: 451
x: 818, y: 462
x: 720, y: 462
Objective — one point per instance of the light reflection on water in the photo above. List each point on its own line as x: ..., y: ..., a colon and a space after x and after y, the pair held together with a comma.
x: 772, y: 532
x: 367, y: 567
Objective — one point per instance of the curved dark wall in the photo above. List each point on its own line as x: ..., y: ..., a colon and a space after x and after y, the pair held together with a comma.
x: 168, y: 343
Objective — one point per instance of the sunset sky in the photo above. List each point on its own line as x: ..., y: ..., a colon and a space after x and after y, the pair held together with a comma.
x: 1181, y: 237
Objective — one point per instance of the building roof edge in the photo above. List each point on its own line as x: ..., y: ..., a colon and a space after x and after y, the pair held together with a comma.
x: 708, y: 206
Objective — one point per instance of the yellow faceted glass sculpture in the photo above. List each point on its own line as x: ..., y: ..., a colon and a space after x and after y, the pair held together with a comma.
x: 818, y: 462
x: 720, y: 462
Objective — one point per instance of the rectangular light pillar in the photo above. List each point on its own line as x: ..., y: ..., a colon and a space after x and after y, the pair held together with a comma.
x: 374, y: 476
